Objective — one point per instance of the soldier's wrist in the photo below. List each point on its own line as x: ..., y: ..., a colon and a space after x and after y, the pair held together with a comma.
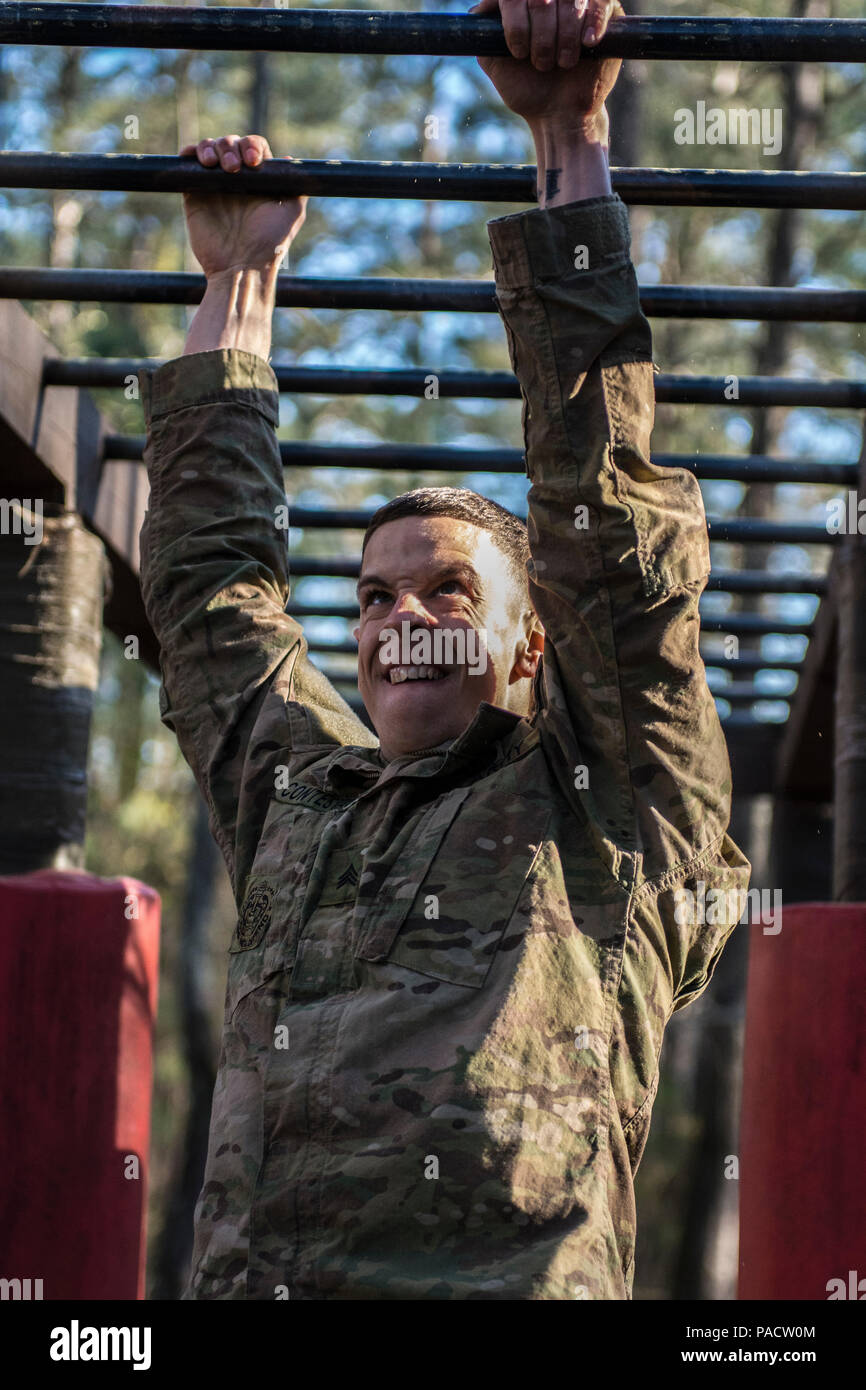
x: 236, y: 311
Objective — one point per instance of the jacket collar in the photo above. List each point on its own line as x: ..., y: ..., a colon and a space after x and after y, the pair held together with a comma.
x: 477, y: 746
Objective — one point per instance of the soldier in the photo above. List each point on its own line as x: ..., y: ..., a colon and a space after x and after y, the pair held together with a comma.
x: 458, y: 941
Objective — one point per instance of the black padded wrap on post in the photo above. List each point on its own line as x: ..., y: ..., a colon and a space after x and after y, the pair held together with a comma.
x: 51, y: 594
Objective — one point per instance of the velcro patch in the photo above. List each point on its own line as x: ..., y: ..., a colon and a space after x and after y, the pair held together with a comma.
x: 255, y: 914
x: 342, y: 877
x: 311, y: 798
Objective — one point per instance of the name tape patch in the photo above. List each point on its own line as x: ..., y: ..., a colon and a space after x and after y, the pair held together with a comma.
x: 299, y: 794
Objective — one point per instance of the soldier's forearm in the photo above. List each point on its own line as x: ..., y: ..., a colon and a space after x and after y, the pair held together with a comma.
x: 236, y: 312
x: 572, y: 161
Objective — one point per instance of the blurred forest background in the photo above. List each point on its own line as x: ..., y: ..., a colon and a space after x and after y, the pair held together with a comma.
x: 145, y: 815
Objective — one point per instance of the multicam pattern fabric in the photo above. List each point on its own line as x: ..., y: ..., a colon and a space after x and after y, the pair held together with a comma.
x: 452, y: 1106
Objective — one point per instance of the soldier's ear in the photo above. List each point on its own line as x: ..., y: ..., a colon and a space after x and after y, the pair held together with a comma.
x: 528, y: 654
x: 535, y: 631
x: 534, y: 634
x: 355, y: 631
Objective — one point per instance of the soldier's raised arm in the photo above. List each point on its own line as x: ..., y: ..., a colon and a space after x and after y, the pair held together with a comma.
x: 619, y: 546
x: 214, y: 554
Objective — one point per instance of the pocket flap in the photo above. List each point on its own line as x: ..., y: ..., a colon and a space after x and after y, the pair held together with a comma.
x: 454, y: 923
x: 385, y: 916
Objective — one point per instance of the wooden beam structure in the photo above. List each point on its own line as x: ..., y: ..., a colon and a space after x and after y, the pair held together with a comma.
x: 51, y: 447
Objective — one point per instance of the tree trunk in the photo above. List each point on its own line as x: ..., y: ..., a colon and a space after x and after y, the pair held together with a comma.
x: 260, y: 92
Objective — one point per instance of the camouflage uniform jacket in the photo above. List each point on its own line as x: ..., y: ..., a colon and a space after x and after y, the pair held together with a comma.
x: 422, y: 1106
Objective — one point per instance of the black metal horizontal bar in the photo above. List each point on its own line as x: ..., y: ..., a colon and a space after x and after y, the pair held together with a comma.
x: 293, y: 291
x: 340, y: 679
x: 752, y: 625
x: 765, y: 582
x: 749, y: 530
x: 745, y: 694
x: 493, y: 183
x: 323, y: 610
x: 742, y: 530
x: 765, y: 303
x: 350, y: 31
x: 438, y: 458
x: 746, y: 690
x: 750, y: 468
x: 747, y: 661
x: 735, y: 624
x: 740, y: 720
x: 725, y: 581
x: 334, y: 648
x: 731, y: 723
x: 419, y: 381
x: 759, y: 390
x: 443, y: 458
x: 750, y: 695
x: 330, y: 566
x: 760, y: 468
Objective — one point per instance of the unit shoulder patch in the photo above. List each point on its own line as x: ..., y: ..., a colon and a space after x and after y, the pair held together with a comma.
x: 255, y: 914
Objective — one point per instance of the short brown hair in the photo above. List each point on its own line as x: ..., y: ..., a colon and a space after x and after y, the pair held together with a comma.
x: 507, y: 530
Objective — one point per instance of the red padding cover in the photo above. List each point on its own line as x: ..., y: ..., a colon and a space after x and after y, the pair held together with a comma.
x: 78, y: 982
x: 803, y: 1129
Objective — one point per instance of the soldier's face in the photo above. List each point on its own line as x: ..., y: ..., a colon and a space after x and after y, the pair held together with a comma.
x: 440, y: 631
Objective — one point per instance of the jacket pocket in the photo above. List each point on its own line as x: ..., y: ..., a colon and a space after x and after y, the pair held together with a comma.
x: 450, y: 925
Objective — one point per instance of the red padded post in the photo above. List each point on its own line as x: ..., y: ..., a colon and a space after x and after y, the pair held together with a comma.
x: 803, y: 1126
x: 78, y: 985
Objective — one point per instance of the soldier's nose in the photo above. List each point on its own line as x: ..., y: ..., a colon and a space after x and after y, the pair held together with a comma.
x: 409, y: 607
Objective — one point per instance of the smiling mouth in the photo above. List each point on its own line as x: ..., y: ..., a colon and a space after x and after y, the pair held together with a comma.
x: 399, y: 675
